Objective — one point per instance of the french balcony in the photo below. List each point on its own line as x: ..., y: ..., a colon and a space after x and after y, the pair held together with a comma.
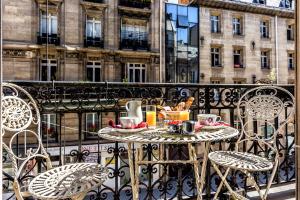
x: 93, y: 42
x: 238, y: 66
x: 70, y: 142
x: 265, y: 66
x: 48, y: 39
x: 136, y: 3
x: 134, y: 44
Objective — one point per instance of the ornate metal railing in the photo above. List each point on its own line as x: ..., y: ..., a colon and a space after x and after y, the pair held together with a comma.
x: 93, y: 42
x: 70, y: 102
x: 136, y: 3
x: 51, y: 38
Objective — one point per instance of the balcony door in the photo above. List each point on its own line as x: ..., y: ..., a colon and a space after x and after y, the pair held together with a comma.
x: 48, y: 70
x: 48, y: 23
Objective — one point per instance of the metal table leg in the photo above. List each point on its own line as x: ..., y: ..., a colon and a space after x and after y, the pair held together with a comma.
x: 193, y: 159
x: 203, y: 168
x: 133, y: 171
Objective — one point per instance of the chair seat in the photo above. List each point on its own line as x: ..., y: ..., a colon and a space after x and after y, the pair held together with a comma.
x: 240, y: 160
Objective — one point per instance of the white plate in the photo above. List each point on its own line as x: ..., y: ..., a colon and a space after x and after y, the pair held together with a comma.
x: 134, y: 130
x: 213, y: 127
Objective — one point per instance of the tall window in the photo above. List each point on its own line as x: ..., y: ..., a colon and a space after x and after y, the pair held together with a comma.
x: 286, y: 3
x: 92, y: 122
x: 49, y: 21
x: 238, y: 58
x: 48, y: 70
x: 291, y: 60
x: 49, y: 126
x: 93, y: 71
x: 93, y: 27
x: 259, y: 1
x: 264, y: 29
x: 134, y: 29
x: 136, y: 72
x: 265, y: 60
x: 216, y: 57
x: 237, y: 26
x: 215, y: 24
x: 290, y: 32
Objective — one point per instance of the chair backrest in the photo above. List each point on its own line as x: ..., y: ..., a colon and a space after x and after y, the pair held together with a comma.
x: 264, y: 112
x: 21, y: 126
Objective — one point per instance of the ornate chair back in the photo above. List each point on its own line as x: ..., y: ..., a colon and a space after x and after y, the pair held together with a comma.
x: 21, y: 126
x: 264, y: 112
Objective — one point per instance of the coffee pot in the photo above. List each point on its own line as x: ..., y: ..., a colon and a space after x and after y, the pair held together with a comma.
x: 134, y: 109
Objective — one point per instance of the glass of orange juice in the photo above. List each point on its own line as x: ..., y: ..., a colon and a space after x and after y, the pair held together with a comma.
x: 184, y: 115
x: 151, y: 116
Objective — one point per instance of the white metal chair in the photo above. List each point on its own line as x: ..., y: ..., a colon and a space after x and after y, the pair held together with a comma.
x: 270, y: 108
x: 21, y: 122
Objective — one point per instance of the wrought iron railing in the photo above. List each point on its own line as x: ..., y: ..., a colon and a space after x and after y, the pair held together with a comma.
x: 134, y: 40
x: 51, y: 38
x: 136, y: 3
x: 95, y: 1
x: 71, y: 101
x: 93, y: 42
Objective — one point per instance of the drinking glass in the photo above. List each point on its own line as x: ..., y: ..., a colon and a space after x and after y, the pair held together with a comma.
x: 151, y: 116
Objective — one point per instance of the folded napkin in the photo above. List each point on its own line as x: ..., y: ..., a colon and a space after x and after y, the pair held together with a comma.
x: 112, y: 124
x: 198, y: 126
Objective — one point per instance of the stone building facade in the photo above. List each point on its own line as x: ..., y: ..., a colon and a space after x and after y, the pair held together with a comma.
x: 254, y: 41
x: 83, y: 40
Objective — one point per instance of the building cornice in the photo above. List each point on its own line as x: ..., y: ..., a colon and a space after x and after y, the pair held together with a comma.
x: 248, y: 7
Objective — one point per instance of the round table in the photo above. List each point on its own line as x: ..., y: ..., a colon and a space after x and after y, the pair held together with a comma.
x: 68, y: 181
x: 163, y: 136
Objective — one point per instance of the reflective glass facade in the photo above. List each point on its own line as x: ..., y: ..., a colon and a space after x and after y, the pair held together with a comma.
x: 182, y: 44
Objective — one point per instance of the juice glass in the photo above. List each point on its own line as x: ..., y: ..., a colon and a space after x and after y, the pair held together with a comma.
x: 151, y: 116
x: 184, y: 115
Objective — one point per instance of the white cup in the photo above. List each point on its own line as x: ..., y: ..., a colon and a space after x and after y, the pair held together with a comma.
x: 129, y: 122
x: 208, y: 119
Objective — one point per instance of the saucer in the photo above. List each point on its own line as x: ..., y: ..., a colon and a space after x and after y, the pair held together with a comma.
x: 130, y: 130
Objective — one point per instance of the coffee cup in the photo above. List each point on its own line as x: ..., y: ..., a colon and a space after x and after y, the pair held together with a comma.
x: 208, y: 119
x: 129, y: 122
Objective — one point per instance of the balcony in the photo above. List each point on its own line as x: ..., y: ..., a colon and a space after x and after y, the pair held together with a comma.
x: 265, y: 66
x: 238, y: 66
x: 136, y: 3
x: 134, y: 40
x: 50, y: 39
x: 93, y: 42
x: 77, y: 143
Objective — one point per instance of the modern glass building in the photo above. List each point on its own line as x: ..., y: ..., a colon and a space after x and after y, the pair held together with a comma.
x: 182, y: 44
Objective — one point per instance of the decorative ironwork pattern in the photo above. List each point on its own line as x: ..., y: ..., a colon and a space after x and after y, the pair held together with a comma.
x: 157, y: 181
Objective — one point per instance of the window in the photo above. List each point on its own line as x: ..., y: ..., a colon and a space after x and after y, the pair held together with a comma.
x: 265, y: 60
x: 92, y: 122
x: 239, y: 81
x: 93, y: 27
x: 49, y: 126
x: 290, y: 32
x: 134, y: 29
x: 136, y: 72
x: 286, y: 3
x: 260, y: 1
x: 93, y: 71
x: 48, y: 23
x: 215, y: 81
x: 215, y: 24
x: 216, y: 57
x: 291, y: 60
x: 237, y: 26
x: 264, y: 29
x: 48, y: 71
x: 238, y: 58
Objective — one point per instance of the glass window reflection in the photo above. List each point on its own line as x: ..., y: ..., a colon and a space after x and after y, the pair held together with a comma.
x: 182, y: 44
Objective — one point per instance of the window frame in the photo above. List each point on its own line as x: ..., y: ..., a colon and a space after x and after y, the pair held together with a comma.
x: 136, y: 67
x: 215, y: 21
x: 48, y: 20
x: 94, y: 66
x: 238, y: 52
x: 291, y: 61
x: 49, y: 65
x: 237, y: 22
x: 265, y: 59
x: 265, y: 29
x: 94, y: 21
x: 213, y: 54
x: 290, y: 32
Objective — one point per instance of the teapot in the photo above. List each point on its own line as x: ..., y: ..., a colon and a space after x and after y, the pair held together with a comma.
x: 134, y: 109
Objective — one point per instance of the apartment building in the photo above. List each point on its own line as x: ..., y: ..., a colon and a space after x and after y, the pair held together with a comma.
x: 81, y: 40
x: 239, y: 42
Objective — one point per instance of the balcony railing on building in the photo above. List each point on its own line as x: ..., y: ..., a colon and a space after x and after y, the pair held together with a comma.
x: 136, y: 3
x: 93, y: 42
x: 45, y: 38
x: 94, y: 1
x: 238, y: 66
x: 134, y: 40
x: 76, y: 142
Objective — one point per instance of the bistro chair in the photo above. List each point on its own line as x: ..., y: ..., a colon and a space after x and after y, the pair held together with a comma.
x: 21, y: 125
x: 263, y: 112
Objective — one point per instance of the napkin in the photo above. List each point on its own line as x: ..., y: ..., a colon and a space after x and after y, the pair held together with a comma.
x: 112, y: 124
